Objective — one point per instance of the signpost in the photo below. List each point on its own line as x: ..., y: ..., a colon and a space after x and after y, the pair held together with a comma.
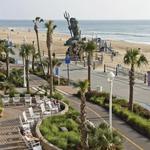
x: 67, y: 61
x: 57, y: 73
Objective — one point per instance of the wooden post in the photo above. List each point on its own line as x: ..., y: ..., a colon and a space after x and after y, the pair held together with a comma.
x: 116, y: 70
x: 104, y: 68
x: 145, y: 78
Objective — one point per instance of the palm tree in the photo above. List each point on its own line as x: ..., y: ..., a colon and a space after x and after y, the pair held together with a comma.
x: 36, y: 21
x: 5, y: 47
x: 101, y: 138
x: 83, y: 86
x: 133, y: 58
x: 25, y: 52
x: 50, y: 29
x: 89, y: 48
x: 8, y: 88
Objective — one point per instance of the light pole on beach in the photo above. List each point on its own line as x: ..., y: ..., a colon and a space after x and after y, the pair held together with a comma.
x: 110, y: 78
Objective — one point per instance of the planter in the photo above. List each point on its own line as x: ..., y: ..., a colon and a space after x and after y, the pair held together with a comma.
x: 45, y: 144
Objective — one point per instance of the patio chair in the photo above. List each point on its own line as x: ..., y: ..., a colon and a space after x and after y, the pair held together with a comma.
x: 32, y: 142
x: 28, y: 99
x: 33, y: 115
x: 24, y: 125
x: 45, y: 99
x: 16, y: 99
x: 36, y: 146
x: 44, y: 112
x: 6, y: 99
x: 27, y: 120
x: 52, y: 108
x: 38, y: 99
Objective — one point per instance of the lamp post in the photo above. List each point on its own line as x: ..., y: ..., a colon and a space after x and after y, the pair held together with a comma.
x: 110, y: 78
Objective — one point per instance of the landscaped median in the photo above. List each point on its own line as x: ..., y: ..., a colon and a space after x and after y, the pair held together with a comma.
x: 139, y: 119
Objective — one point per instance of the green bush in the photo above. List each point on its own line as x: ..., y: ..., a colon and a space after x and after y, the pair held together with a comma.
x: 58, y: 96
x: 2, y: 77
x: 16, y: 77
x: 66, y: 140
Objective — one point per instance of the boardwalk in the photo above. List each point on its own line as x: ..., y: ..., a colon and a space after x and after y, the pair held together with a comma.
x: 10, y: 138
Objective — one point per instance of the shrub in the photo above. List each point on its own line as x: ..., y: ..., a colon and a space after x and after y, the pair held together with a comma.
x: 66, y: 140
x: 2, y: 77
x: 58, y: 96
x: 141, y: 111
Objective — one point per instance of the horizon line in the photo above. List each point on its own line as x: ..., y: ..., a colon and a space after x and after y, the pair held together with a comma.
x: 80, y: 19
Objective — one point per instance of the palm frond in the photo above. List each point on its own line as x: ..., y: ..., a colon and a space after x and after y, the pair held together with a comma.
x: 142, y: 60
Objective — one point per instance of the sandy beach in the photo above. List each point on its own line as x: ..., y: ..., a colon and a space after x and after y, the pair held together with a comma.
x: 58, y: 47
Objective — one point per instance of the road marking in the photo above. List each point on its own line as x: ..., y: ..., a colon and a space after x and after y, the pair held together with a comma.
x: 140, y: 148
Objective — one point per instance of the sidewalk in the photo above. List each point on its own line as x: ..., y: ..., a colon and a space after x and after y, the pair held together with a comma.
x: 96, y: 114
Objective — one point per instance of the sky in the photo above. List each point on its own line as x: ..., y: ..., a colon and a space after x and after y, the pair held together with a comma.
x: 81, y: 9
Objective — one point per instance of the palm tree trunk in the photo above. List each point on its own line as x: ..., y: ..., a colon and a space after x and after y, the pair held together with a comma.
x: 33, y: 62
x: 7, y: 64
x: 38, y: 45
x: 27, y: 75
x: 84, y: 135
x: 131, y: 88
x: 89, y: 72
x: 51, y: 71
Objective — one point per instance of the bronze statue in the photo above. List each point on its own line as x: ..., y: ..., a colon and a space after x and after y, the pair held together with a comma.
x: 74, y: 30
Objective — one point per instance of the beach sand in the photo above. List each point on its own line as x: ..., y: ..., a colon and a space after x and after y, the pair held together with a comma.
x: 58, y: 47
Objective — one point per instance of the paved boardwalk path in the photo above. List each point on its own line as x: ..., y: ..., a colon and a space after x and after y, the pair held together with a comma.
x: 10, y: 138
x: 96, y: 114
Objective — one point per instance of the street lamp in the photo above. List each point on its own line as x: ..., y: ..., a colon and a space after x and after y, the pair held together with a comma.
x: 110, y: 78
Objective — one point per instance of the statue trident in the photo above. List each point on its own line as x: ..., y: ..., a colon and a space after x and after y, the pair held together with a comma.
x: 67, y: 17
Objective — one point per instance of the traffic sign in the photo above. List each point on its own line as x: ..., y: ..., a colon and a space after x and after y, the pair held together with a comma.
x: 57, y: 71
x: 67, y: 59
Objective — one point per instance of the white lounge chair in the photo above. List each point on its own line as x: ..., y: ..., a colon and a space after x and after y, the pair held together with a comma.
x: 45, y: 99
x: 16, y: 99
x: 44, y: 112
x: 33, y: 115
x: 6, y: 99
x: 38, y: 99
x: 36, y: 146
x: 27, y: 120
x: 28, y: 99
x: 52, y: 107
x: 24, y: 125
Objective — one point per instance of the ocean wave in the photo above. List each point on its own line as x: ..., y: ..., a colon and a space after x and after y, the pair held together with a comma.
x: 117, y: 33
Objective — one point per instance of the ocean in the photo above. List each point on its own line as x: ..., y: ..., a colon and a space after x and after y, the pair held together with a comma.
x: 137, y: 31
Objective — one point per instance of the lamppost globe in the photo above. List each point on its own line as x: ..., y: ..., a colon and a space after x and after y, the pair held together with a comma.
x: 110, y: 76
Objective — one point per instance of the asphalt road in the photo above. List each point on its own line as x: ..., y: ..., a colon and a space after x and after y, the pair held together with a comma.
x: 120, y: 86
